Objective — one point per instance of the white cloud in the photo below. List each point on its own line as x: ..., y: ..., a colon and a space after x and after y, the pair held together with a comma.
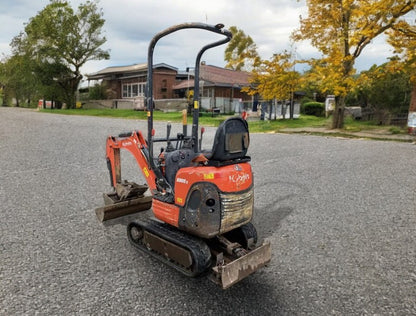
x: 130, y: 25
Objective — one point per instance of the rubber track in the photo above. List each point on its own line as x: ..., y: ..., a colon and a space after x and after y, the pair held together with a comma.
x: 199, y: 250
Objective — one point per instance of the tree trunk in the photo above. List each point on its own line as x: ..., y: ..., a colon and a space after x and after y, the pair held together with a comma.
x: 4, y: 103
x: 338, y: 116
x: 74, y: 88
x: 412, y: 106
x: 70, y: 87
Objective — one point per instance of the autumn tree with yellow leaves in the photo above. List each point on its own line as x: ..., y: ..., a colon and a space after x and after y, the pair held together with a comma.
x: 241, y: 52
x: 340, y: 30
x: 403, y: 38
x: 275, y: 78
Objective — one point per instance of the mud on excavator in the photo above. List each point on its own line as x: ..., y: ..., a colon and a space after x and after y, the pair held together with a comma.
x: 202, y: 201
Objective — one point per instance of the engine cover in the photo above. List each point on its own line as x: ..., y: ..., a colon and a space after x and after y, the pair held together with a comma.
x: 214, y: 200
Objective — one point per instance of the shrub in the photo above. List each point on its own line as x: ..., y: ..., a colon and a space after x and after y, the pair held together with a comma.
x: 313, y: 108
x: 97, y: 92
x: 395, y: 130
x: 306, y: 100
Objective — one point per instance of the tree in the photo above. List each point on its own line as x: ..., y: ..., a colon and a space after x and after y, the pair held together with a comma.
x: 403, y: 38
x: 313, y: 81
x: 63, y: 41
x: 384, y: 88
x: 3, y: 80
x: 275, y: 78
x: 241, y: 51
x: 17, y: 79
x: 323, y: 77
x: 341, y: 29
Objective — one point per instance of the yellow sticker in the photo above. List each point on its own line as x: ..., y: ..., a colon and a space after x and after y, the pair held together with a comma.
x: 208, y: 176
x: 146, y: 172
x: 196, y: 105
x: 179, y: 200
x: 148, y: 113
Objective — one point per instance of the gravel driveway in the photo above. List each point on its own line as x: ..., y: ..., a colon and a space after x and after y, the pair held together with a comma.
x: 340, y: 215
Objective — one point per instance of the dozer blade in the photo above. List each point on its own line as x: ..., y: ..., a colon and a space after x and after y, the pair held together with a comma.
x: 122, y: 208
x: 233, y: 272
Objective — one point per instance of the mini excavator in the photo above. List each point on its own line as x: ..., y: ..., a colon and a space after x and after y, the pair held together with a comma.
x: 202, y: 201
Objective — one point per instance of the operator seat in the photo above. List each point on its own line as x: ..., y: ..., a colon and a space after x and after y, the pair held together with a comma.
x: 230, y: 146
x: 230, y: 143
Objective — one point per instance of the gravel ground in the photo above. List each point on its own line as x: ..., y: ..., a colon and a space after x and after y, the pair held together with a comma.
x: 340, y: 214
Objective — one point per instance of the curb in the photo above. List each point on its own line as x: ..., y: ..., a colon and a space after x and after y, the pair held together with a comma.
x: 373, y: 135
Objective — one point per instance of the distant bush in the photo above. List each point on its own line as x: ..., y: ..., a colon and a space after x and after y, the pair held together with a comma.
x: 306, y: 100
x: 395, y: 130
x: 313, y: 108
x: 97, y: 92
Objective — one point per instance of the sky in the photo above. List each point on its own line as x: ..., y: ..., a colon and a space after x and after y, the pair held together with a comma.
x: 131, y: 24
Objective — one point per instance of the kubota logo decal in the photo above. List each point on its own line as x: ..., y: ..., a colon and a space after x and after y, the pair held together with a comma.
x: 239, y: 179
x: 127, y: 143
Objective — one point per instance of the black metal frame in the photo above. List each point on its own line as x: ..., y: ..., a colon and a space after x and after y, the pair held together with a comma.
x: 219, y: 29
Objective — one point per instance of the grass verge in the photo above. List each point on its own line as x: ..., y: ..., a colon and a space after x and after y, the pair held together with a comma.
x: 351, y: 126
x: 140, y: 115
x: 205, y: 118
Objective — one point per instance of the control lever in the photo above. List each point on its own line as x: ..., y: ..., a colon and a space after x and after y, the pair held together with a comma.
x: 200, y: 140
x: 169, y: 128
x: 169, y: 146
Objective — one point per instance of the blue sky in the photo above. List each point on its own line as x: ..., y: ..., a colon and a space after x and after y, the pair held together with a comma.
x: 130, y: 25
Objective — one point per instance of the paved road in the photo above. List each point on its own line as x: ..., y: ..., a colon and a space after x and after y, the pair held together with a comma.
x: 340, y: 215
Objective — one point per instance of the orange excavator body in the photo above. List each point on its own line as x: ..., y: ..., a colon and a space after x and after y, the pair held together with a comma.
x: 203, y: 200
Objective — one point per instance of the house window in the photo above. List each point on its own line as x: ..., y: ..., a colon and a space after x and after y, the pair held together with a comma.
x: 164, y: 86
x: 132, y: 90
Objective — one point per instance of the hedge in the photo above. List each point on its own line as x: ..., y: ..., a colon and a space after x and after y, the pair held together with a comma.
x: 313, y: 108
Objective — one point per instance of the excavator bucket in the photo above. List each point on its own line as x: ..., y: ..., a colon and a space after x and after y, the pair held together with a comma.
x: 128, y: 198
x: 228, y: 274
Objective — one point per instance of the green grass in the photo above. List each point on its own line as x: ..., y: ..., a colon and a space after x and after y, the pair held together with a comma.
x: 206, y: 119
x: 129, y: 114
x: 352, y: 125
x: 396, y: 130
x: 275, y: 126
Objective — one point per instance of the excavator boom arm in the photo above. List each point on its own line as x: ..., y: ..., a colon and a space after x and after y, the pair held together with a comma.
x: 136, y: 145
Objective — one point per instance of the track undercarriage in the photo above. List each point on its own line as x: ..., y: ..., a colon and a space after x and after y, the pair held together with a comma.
x: 226, y: 259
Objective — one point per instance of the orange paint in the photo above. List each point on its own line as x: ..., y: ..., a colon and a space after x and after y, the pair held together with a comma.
x: 232, y: 178
x: 166, y: 212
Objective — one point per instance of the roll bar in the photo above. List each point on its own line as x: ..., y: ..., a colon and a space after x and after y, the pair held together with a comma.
x: 219, y: 29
